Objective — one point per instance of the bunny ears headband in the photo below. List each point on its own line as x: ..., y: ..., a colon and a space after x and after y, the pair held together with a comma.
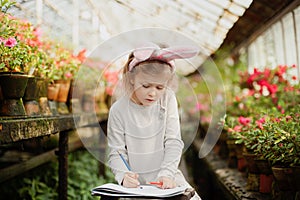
x: 154, y: 52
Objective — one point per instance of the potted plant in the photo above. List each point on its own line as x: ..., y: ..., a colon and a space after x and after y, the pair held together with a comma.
x: 17, y: 57
x: 65, y: 66
x: 263, y: 94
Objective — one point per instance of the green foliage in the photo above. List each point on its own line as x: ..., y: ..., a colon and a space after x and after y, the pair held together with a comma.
x: 6, y: 5
x: 42, y: 183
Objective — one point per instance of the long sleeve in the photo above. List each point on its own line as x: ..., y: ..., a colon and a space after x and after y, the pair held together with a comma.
x: 173, y: 143
x: 116, y: 142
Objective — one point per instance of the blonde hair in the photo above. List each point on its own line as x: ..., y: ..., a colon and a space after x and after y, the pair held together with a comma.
x: 150, y: 67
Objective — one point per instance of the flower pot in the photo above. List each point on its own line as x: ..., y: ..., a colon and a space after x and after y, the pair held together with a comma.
x: 232, y: 157
x: 32, y: 89
x: 63, y: 90
x: 266, y: 176
x: 13, y: 87
x: 43, y: 86
x: 75, y: 97
x: 282, y: 176
x: 265, y: 183
x: 287, y: 178
x: 52, y: 94
x: 251, y: 163
x: 43, y: 96
x: 52, y: 91
x: 264, y: 166
x: 31, y: 97
x: 62, y: 97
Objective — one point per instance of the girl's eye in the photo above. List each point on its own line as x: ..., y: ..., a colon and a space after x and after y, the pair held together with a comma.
x: 160, y: 87
x: 146, y: 86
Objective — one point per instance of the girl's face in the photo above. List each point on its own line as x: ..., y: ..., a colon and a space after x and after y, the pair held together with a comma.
x: 148, y: 89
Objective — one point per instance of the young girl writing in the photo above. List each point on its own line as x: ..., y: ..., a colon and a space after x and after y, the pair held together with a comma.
x: 143, y: 125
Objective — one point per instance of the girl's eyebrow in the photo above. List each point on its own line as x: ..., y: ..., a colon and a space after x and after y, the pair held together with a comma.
x: 157, y: 84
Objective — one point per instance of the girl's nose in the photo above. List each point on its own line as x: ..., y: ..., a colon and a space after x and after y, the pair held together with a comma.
x: 152, y: 92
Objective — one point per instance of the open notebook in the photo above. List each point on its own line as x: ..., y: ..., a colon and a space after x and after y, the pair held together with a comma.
x: 116, y: 190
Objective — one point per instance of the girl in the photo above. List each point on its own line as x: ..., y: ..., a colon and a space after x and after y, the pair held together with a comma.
x: 143, y: 125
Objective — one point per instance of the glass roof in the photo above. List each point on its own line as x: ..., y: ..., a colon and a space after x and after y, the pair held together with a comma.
x: 86, y: 23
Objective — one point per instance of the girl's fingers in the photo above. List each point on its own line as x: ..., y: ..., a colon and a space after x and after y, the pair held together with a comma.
x: 130, y: 180
x: 167, y: 183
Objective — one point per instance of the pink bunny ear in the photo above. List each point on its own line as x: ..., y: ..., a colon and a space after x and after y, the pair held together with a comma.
x: 177, y: 52
x: 152, y: 51
x: 145, y: 52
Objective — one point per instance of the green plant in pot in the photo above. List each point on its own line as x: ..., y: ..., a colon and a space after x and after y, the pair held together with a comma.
x: 281, y: 146
x: 20, y: 57
x: 64, y: 69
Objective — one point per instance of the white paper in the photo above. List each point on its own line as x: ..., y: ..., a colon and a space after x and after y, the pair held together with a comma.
x: 111, y: 189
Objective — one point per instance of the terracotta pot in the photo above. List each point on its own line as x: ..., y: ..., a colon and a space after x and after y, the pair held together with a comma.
x: 241, y: 164
x: 63, y: 90
x: 265, y: 183
x: 52, y: 91
x: 266, y: 176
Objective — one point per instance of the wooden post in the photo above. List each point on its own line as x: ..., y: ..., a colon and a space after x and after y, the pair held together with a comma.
x: 63, y: 166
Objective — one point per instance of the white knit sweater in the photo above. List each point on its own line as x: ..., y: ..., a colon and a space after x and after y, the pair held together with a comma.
x: 148, y: 137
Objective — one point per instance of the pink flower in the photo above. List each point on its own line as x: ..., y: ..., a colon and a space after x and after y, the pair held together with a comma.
x: 68, y: 75
x: 10, y: 42
x: 260, y: 122
x: 37, y: 32
x: 237, y: 128
x: 244, y: 120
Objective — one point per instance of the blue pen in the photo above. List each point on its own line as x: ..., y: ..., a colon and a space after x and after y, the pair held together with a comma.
x: 124, y: 161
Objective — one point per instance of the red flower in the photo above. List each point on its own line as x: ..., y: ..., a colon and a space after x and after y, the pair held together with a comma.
x: 253, y: 76
x: 244, y: 120
x: 281, y: 70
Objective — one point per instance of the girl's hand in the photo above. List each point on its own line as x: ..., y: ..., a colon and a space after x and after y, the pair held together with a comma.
x: 130, y: 180
x: 167, y: 183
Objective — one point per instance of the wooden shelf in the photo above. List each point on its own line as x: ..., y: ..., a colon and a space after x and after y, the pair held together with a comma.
x: 230, y: 180
x: 18, y: 129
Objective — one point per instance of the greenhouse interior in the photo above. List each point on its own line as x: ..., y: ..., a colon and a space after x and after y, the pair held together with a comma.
x: 145, y: 99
